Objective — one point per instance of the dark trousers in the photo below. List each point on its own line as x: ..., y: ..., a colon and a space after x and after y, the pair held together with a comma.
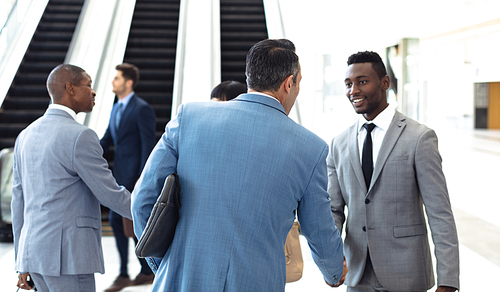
x: 116, y: 222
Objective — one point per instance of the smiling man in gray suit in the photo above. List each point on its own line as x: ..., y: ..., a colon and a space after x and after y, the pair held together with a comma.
x: 60, y: 180
x: 385, y: 178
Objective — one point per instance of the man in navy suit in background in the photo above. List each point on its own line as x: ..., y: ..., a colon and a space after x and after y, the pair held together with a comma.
x: 132, y: 131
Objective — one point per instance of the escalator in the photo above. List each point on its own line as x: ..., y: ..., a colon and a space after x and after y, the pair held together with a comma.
x: 27, y: 98
x: 243, y: 24
x: 151, y: 47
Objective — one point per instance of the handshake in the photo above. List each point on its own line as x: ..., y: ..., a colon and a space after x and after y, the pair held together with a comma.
x: 342, y: 279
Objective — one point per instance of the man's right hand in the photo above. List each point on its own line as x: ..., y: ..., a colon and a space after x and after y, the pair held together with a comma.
x: 342, y: 279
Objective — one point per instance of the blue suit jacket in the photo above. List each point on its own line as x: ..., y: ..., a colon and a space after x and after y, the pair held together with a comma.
x: 60, y: 177
x: 134, y: 139
x: 244, y: 166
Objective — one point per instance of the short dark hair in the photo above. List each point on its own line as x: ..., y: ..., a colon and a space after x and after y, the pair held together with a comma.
x: 228, y: 90
x: 269, y: 62
x: 369, y: 57
x: 129, y: 72
x: 60, y: 75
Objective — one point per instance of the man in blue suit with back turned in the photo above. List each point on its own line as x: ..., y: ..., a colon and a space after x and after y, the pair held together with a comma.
x: 244, y: 166
x: 132, y: 131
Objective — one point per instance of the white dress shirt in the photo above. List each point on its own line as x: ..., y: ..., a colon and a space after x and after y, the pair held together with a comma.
x: 64, y: 108
x: 382, y: 122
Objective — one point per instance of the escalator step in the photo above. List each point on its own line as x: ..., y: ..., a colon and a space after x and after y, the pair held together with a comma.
x: 53, y: 36
x: 157, y: 6
x: 48, y: 46
x: 38, y: 67
x: 151, y: 33
x: 54, y: 17
x: 155, y: 86
x: 55, y: 26
x: 11, y: 130
x: 24, y: 116
x: 244, y: 27
x: 28, y: 90
x: 156, y: 74
x: 152, y: 15
x: 162, y: 110
x: 45, y: 57
x: 238, y: 36
x: 152, y: 42
x: 7, y: 142
x: 170, y: 23
x: 150, y: 52
x: 242, y: 46
x: 242, y: 18
x: 27, y: 103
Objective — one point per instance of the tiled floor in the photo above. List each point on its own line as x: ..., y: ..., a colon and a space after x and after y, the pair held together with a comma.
x: 471, y: 161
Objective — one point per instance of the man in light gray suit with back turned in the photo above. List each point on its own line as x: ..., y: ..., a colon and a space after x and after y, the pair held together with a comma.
x: 60, y: 180
x: 385, y: 169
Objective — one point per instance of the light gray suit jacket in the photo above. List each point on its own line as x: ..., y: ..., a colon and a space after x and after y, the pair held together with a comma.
x: 60, y: 177
x: 388, y: 219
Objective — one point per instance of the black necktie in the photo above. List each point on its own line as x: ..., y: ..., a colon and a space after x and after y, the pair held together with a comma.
x: 367, y: 158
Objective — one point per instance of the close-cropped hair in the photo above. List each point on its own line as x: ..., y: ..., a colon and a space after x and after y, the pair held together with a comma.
x: 269, y: 63
x: 129, y: 72
x: 228, y: 90
x: 369, y: 57
x: 61, y: 74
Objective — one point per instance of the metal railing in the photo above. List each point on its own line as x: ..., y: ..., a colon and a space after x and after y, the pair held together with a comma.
x: 6, y: 178
x: 197, y: 61
x: 15, y: 37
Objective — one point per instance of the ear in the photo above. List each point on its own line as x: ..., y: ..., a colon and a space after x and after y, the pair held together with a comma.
x: 386, y: 82
x: 70, y: 88
x: 287, y: 84
x: 129, y: 83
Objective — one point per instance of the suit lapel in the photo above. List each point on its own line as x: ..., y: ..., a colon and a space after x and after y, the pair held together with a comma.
x: 391, y: 137
x: 354, y: 156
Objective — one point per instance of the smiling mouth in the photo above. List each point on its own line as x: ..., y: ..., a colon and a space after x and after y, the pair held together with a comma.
x: 357, y: 100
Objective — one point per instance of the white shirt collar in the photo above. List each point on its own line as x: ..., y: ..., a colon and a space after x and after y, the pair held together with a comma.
x: 64, y: 108
x: 382, y: 120
x: 126, y: 99
x: 264, y: 94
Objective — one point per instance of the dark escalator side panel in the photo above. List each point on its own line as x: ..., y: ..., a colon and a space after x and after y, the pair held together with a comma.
x: 27, y: 98
x: 151, y: 47
x: 243, y: 24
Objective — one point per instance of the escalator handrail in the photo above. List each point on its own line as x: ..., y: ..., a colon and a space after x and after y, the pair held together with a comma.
x: 4, y: 167
x: 197, y: 20
x: 21, y: 34
x: 179, y: 59
x: 98, y: 45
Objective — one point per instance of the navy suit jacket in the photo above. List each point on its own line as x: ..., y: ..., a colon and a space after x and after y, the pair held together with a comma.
x: 133, y: 140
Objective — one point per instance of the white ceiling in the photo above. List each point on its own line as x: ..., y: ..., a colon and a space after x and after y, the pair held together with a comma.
x: 364, y: 24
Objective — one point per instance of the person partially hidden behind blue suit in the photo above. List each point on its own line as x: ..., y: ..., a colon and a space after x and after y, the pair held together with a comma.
x: 131, y: 130
x: 59, y: 181
x: 238, y: 199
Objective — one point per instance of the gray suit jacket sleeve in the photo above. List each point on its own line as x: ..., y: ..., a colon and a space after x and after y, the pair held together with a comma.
x: 337, y: 202
x: 435, y: 196
x: 93, y: 170
x: 17, y: 203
